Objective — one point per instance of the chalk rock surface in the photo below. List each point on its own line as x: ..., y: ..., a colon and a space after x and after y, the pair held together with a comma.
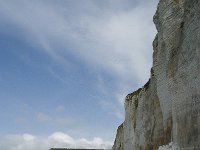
x: 119, y: 144
x: 167, y: 108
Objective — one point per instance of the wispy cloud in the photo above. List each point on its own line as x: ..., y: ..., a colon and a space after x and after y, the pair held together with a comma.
x: 60, y: 108
x: 111, y: 40
x: 56, y: 121
x: 118, y: 42
x: 57, y: 139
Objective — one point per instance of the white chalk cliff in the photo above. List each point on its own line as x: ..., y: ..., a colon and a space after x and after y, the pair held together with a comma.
x: 167, y: 109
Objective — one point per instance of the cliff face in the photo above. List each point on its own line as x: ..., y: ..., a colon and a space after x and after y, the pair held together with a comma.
x: 119, y: 144
x: 167, y: 108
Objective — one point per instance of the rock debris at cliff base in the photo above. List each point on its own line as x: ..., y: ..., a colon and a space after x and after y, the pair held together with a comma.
x: 170, y: 146
x: 167, y: 109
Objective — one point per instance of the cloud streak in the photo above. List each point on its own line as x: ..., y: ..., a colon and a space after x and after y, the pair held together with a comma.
x: 56, y: 121
x: 116, y: 42
x: 107, y: 39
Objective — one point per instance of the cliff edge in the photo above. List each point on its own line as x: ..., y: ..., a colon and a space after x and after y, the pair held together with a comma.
x: 167, y: 109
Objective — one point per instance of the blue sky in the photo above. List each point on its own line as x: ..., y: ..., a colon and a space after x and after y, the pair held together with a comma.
x: 66, y: 66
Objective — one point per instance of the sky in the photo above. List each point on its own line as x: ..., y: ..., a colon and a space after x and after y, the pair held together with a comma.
x: 66, y: 67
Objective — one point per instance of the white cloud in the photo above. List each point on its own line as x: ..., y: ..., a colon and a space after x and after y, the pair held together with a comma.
x: 57, y: 139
